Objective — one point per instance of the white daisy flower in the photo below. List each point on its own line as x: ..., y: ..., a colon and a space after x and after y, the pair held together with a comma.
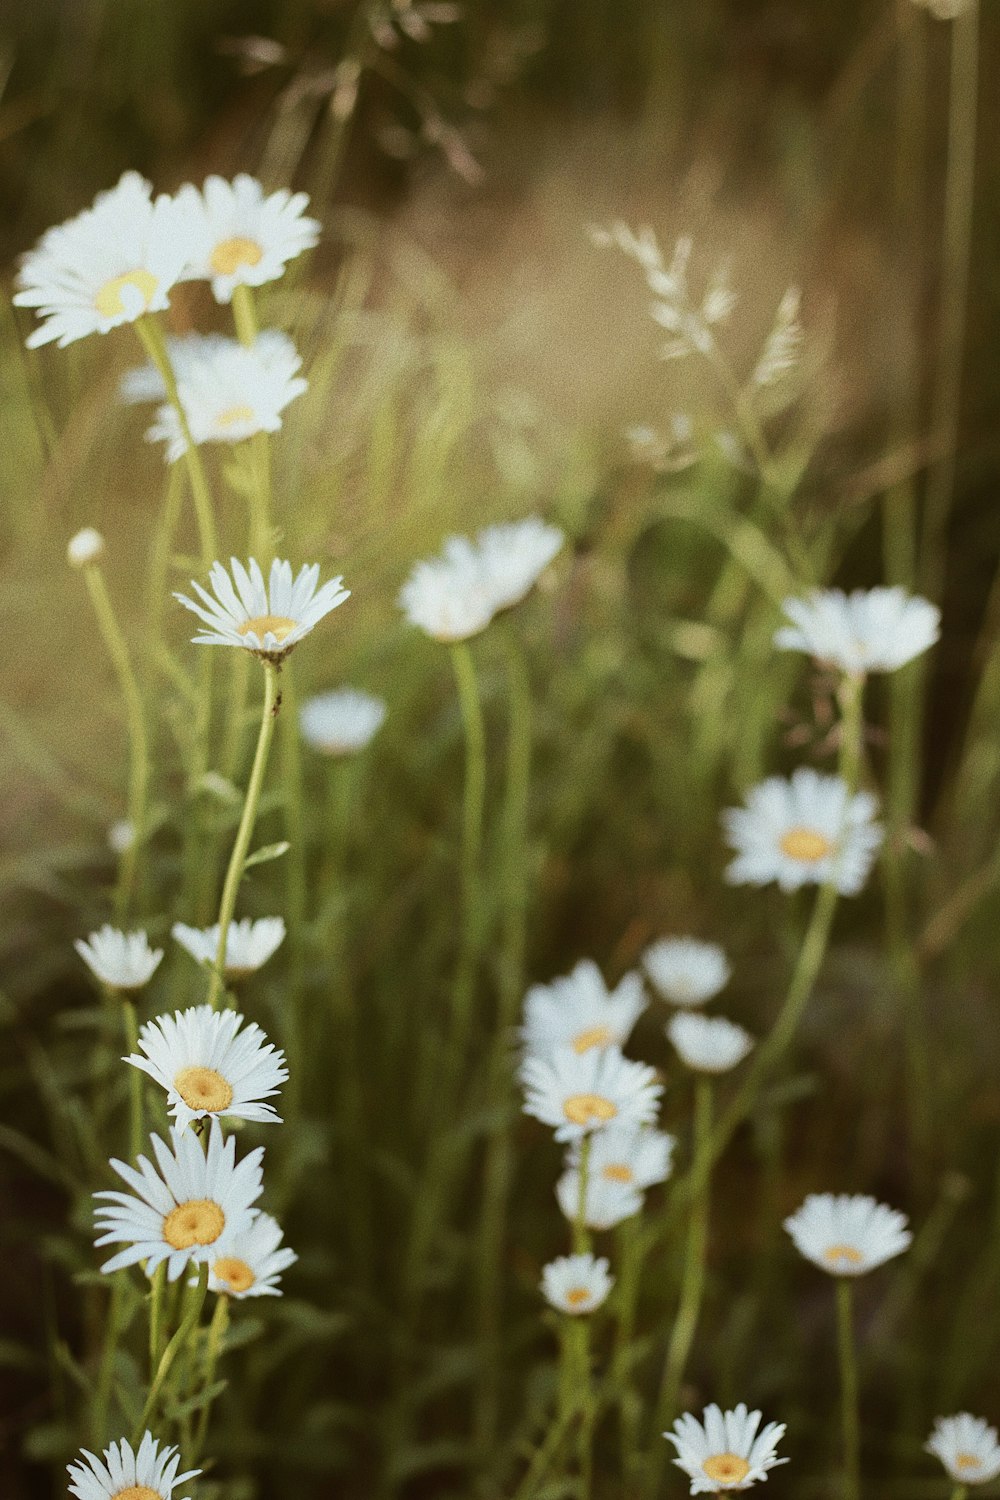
x: 86, y: 547
x: 708, y: 1044
x: 109, y: 265
x: 576, y: 1283
x: 847, y: 1235
x: 249, y: 944
x: 190, y: 353
x: 186, y: 1212
x: 123, y: 1474
x: 450, y: 597
x: 516, y: 555
x: 806, y: 830
x: 253, y: 1261
x: 686, y: 971
x: 869, y: 630
x: 968, y: 1448
x: 622, y: 1154
x: 606, y: 1202
x: 211, y: 1063
x: 241, y: 236
x: 578, y: 1092
x: 724, y: 1451
x: 121, y: 960
x: 265, y: 618
x: 229, y: 393
x: 341, y: 722
x: 579, y: 1011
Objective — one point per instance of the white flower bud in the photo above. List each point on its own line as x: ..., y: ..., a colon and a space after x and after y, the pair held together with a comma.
x: 85, y: 548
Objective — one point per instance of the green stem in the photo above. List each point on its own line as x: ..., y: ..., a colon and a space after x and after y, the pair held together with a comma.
x: 545, y: 1455
x: 631, y: 1257
x: 234, y: 873
x: 848, y: 1388
x: 581, y: 1235
x: 156, y: 1321
x: 960, y: 1492
x: 170, y: 1353
x: 588, y: 1414
x: 216, y: 1336
x: 136, y: 1126
x: 244, y: 316
x: 473, y: 801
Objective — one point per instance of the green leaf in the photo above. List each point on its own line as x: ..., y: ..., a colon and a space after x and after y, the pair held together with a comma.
x: 269, y: 851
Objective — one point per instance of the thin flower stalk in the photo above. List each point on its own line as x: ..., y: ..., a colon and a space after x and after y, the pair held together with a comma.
x: 155, y: 345
x: 177, y: 1344
x: 848, y: 1388
x: 473, y: 802
x: 215, y: 1338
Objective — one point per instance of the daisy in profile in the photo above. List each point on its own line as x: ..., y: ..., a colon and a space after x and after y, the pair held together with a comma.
x: 109, y: 265
x: 725, y: 1451
x: 870, y: 630
x: 252, y: 1261
x: 450, y: 598
x: 229, y: 393
x: 636, y: 1158
x: 179, y: 1213
x: 241, y: 236
x: 579, y: 1011
x: 968, y: 1448
x: 708, y: 1044
x: 265, y: 618
x: 211, y: 1063
x: 685, y: 971
x: 341, y: 722
x: 607, y: 1202
x: 579, y: 1092
x: 576, y: 1284
x: 121, y: 960
x: 516, y: 555
x: 847, y: 1235
x: 804, y: 831
x: 249, y: 944
x: 123, y: 1474
x: 191, y: 352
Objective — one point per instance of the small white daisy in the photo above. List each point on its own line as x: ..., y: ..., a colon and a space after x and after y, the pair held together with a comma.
x: 341, y: 722
x: 576, y: 1284
x: 686, y: 971
x: 449, y: 597
x: 249, y: 944
x: 968, y: 1448
x: 121, y: 960
x: 265, y: 618
x: 123, y: 1474
x: 211, y: 1063
x: 190, y: 352
x: 516, y: 555
x: 847, y: 1235
x: 241, y: 236
x: 109, y: 265
x: 186, y: 1212
x: 806, y: 830
x: 708, y: 1044
x: 578, y: 1092
x: 253, y: 1261
x: 606, y: 1202
x: 229, y: 393
x: 869, y: 630
x: 579, y: 1011
x: 86, y: 547
x: 633, y: 1157
x: 724, y: 1451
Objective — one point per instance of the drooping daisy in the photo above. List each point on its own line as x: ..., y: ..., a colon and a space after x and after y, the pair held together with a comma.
x: 606, y: 1202
x: 249, y: 944
x: 121, y: 960
x: 252, y: 1262
x: 968, y: 1448
x: 265, y: 618
x: 576, y: 1284
x: 123, y: 1474
x: 229, y: 393
x: 579, y: 1092
x: 708, y: 1044
x: 637, y: 1158
x: 847, y: 1235
x: 579, y: 1011
x: 341, y: 722
x: 449, y: 597
x: 183, y: 1210
x: 869, y: 630
x: 724, y: 1451
x: 685, y: 971
x: 211, y: 1063
x: 516, y: 555
x: 241, y: 236
x: 806, y: 830
x: 86, y: 547
x: 109, y: 265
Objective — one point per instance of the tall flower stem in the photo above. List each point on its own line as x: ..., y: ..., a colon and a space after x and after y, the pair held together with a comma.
x: 295, y: 883
x: 155, y: 345
x: 178, y: 1343
x: 580, y: 1333
x: 848, y: 1388
x: 136, y: 1129
x: 960, y: 1492
x: 692, y: 1279
x: 251, y: 802
x: 473, y: 802
x: 216, y: 1337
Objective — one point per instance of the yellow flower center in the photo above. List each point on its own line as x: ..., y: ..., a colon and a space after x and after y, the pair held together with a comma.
x: 587, y: 1109
x: 199, y: 1221
x: 234, y: 414
x: 577, y: 1296
x: 137, y: 1492
x: 617, y: 1171
x: 234, y: 1272
x: 203, y: 1088
x: 229, y: 255
x: 967, y: 1461
x: 109, y: 302
x: 279, y: 626
x: 597, y: 1036
x: 726, y: 1468
x: 837, y: 1253
x: 805, y: 844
